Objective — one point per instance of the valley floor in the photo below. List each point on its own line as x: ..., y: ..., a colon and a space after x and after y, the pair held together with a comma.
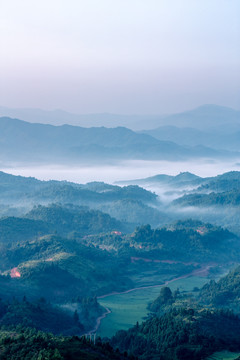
x: 128, y: 307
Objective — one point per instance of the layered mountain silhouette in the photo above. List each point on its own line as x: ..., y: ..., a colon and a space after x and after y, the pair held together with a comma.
x: 210, y: 125
x: 203, y: 117
x: 24, y: 142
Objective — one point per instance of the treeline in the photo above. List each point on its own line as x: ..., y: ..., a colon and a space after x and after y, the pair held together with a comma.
x: 224, y: 293
x: 227, y: 198
x: 188, y: 325
x: 74, y: 318
x: 13, y: 188
x: 191, y: 334
x: 199, y: 242
x: 29, y: 344
x: 69, y: 221
x: 40, y: 315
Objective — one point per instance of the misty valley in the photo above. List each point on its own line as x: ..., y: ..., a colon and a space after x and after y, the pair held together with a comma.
x: 122, y: 263
x: 142, y: 265
x: 119, y: 180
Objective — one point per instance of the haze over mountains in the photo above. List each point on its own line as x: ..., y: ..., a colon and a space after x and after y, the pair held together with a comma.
x: 214, y: 126
x: 61, y: 117
x: 69, y: 245
x: 94, y: 266
x: 203, y: 117
x: 206, y: 138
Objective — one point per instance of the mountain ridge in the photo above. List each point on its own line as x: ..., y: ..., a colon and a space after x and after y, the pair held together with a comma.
x: 24, y: 141
x: 133, y: 121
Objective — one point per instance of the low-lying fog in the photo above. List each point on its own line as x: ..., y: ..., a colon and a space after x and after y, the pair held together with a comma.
x: 225, y: 217
x: 126, y: 170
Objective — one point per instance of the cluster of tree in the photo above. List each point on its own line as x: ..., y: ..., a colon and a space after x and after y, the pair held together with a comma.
x: 226, y: 198
x: 69, y: 193
x: 74, y: 318
x: 14, y: 229
x: 225, y: 182
x: 183, y: 326
x: 74, y: 221
x: 67, y: 267
x: 135, y: 212
x: 199, y: 242
x: 60, y: 221
x: 185, y: 333
x: 30, y: 344
x: 224, y: 293
x: 184, y: 241
x: 184, y: 180
x: 41, y: 315
x: 221, y: 185
x: 59, y: 268
x: 13, y: 188
x: 165, y: 298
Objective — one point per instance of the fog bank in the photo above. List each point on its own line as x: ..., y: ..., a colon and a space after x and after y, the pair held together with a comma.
x: 126, y: 170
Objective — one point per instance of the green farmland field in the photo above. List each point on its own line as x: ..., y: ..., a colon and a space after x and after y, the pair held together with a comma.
x: 127, y: 309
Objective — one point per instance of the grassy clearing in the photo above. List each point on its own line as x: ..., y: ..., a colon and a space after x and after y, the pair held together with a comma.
x: 129, y: 308
x: 224, y: 355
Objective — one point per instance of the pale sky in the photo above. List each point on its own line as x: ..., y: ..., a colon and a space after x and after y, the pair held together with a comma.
x: 119, y: 56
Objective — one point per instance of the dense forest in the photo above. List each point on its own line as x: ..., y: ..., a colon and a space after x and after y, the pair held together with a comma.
x: 181, y: 334
x: 30, y: 344
x: 188, y: 325
x: 224, y: 293
x: 229, y: 198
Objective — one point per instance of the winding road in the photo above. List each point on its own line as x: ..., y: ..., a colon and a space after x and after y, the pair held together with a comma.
x: 98, y: 321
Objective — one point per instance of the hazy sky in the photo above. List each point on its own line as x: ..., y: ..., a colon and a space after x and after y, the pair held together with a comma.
x: 121, y: 56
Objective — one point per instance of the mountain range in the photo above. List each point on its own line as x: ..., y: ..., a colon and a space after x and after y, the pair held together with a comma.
x: 23, y: 142
x: 205, y: 116
x: 227, y: 181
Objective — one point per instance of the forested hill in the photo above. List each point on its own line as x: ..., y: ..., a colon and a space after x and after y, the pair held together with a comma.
x: 14, y: 188
x: 181, y: 334
x: 56, y: 219
x: 227, y: 198
x: 224, y: 293
x: 183, y: 326
x: 188, y: 241
x: 29, y: 344
x: 128, y: 204
x: 224, y: 182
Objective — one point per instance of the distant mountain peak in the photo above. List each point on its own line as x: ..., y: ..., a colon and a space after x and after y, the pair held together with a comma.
x: 212, y: 108
x: 186, y: 176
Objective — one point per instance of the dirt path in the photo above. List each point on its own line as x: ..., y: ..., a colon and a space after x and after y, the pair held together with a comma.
x: 98, y: 321
x: 202, y: 271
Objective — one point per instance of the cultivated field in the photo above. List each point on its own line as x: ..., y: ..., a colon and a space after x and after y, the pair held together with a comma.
x: 127, y: 309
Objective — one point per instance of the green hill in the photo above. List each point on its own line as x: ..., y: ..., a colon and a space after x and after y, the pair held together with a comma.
x: 74, y: 221
x: 224, y: 293
x: 188, y: 241
x: 29, y: 344
x: 228, y: 198
x: 181, y: 334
